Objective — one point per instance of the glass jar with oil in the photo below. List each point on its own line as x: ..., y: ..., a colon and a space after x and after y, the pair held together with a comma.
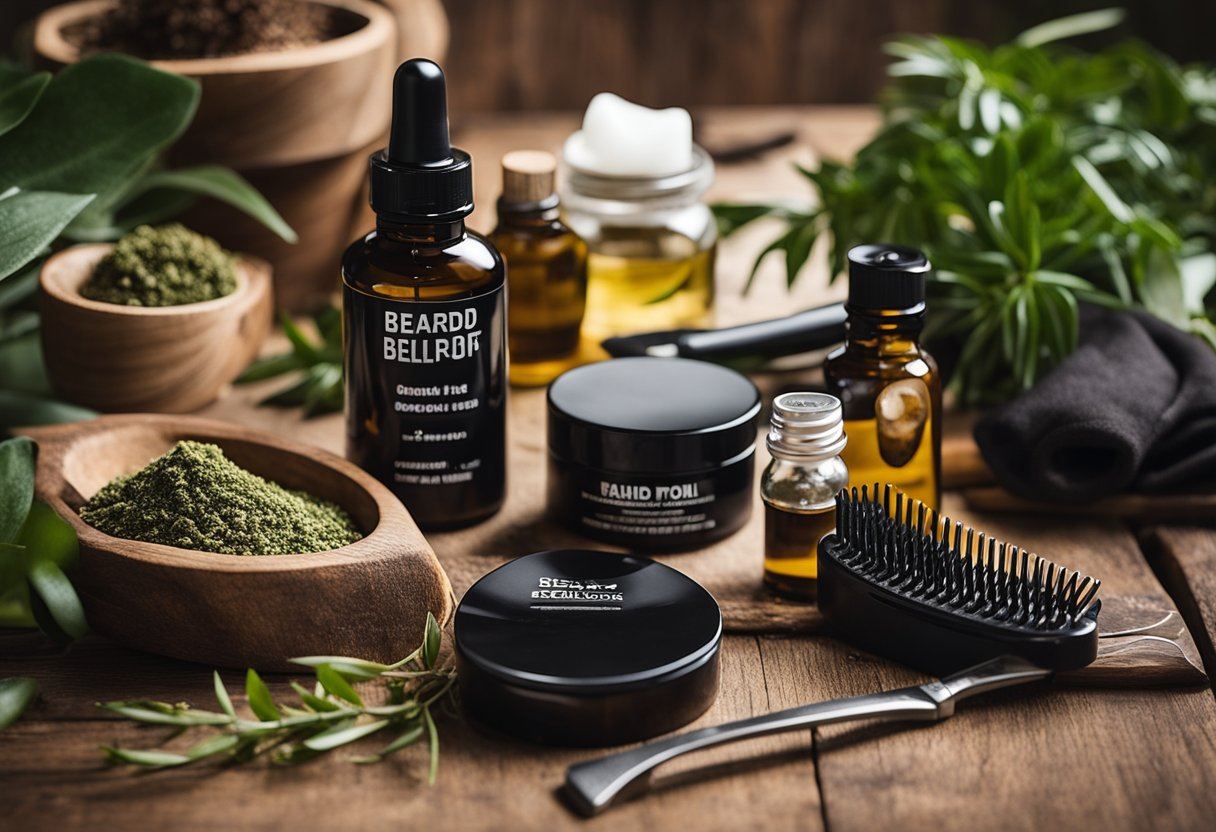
x: 651, y: 243
x: 887, y: 382
x: 799, y: 489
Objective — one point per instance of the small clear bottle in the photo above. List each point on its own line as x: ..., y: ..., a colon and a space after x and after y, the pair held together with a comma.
x: 652, y: 242
x: 799, y: 489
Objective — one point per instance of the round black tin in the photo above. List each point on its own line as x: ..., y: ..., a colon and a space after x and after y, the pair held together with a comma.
x: 575, y: 647
x: 654, y: 454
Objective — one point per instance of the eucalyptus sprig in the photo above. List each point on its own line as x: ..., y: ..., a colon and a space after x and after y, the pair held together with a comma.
x: 318, y: 388
x: 1035, y: 175
x: 329, y: 716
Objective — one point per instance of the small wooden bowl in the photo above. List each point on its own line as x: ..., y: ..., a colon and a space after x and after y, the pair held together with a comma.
x: 367, y: 600
x: 167, y: 359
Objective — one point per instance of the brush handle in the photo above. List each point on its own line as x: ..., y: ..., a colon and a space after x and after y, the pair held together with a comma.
x: 594, y: 785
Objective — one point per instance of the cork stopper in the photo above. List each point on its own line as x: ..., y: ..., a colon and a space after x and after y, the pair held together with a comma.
x: 528, y: 176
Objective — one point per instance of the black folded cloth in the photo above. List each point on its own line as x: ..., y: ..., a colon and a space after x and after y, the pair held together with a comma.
x: 1133, y: 409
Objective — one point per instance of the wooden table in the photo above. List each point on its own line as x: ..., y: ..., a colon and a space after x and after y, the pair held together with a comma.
x: 1050, y: 757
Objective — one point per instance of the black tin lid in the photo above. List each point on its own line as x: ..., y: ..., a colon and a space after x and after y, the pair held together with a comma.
x: 577, y: 647
x: 652, y: 415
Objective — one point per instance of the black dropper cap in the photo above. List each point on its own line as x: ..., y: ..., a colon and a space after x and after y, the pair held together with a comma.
x: 420, y: 177
x: 887, y: 277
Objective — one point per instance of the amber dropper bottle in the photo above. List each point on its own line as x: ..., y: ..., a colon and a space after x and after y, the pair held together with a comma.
x: 424, y: 323
x: 546, y: 270
x: 886, y: 381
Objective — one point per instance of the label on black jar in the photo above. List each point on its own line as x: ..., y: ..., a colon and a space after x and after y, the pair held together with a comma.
x: 651, y: 509
x: 425, y: 400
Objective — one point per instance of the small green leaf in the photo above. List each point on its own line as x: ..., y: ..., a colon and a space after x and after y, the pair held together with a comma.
x: 221, y: 695
x: 17, y: 476
x: 338, y: 686
x: 222, y: 184
x: 213, y: 745
x: 433, y: 740
x: 1071, y: 26
x: 258, y: 694
x: 16, y: 693
x: 55, y: 590
x: 432, y: 641
x: 405, y: 740
x: 312, y: 700
x: 270, y: 367
x: 343, y: 734
x: 18, y: 101
x: 1102, y: 189
x: 144, y: 712
x: 152, y: 759
x: 348, y: 667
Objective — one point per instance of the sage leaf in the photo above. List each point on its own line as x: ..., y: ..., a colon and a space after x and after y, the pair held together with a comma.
x: 16, y: 693
x: 18, y: 101
x: 56, y: 591
x: 30, y: 220
x: 431, y: 642
x: 260, y: 701
x: 338, y: 686
x: 98, y: 123
x: 23, y: 409
x: 342, y: 734
x: 222, y: 184
x: 152, y: 759
x: 17, y: 478
x: 221, y: 695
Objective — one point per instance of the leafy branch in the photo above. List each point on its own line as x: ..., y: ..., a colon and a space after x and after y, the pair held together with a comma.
x: 329, y: 716
x: 1036, y: 177
x: 318, y: 388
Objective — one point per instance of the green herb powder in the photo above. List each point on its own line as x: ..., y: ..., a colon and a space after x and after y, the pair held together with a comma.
x: 196, y: 498
x: 165, y: 266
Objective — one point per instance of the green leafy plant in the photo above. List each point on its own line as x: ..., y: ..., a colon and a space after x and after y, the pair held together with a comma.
x: 80, y: 161
x: 1035, y: 176
x: 317, y: 365
x: 37, y: 548
x: 331, y: 715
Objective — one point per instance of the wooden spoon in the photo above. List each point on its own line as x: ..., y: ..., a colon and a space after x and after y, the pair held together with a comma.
x: 368, y: 599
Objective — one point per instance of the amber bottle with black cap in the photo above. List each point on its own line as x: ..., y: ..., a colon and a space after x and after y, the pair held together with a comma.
x: 424, y: 322
x: 887, y: 383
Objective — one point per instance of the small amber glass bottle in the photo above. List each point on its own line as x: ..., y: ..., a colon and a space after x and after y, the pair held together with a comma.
x: 799, y: 489
x: 546, y: 270
x: 886, y: 381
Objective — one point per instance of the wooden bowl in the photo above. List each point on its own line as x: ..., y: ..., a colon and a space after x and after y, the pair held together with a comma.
x: 367, y: 600
x: 298, y: 124
x: 168, y: 359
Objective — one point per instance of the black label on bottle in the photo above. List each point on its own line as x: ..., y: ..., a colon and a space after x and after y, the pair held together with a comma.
x: 425, y: 401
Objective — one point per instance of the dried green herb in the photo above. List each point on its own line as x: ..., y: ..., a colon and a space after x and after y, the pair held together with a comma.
x: 165, y: 266
x: 196, y: 498
x: 329, y: 716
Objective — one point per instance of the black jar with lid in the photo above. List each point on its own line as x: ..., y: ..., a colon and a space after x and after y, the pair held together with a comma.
x: 653, y: 454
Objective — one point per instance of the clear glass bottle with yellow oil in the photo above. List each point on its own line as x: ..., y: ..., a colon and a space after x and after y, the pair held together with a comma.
x: 886, y: 381
x: 652, y: 243
x: 799, y: 489
x: 546, y: 270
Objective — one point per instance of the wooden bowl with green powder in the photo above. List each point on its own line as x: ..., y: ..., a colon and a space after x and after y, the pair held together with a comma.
x: 231, y: 579
x: 115, y: 355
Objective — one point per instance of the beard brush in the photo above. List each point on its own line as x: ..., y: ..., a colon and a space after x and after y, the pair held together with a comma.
x: 898, y: 580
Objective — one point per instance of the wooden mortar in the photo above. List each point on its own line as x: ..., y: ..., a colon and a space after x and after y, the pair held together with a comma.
x: 368, y: 599
x: 168, y: 359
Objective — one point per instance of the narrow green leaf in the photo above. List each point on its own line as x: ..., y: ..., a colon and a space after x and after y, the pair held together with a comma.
x: 432, y: 734
x: 313, y: 701
x: 55, y: 590
x: 140, y: 712
x: 432, y: 640
x: 152, y: 759
x: 406, y: 739
x: 1071, y: 26
x: 18, y: 100
x: 221, y: 695
x: 260, y: 701
x: 30, y: 221
x: 271, y: 367
x: 16, y: 693
x: 26, y: 410
x: 347, y: 666
x: 222, y: 184
x: 213, y: 745
x: 301, y: 344
x: 17, y: 475
x: 341, y: 735
x: 338, y: 686
x: 1102, y: 189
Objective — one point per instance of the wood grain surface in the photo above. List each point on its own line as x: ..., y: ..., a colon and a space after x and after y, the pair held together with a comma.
x: 1052, y: 756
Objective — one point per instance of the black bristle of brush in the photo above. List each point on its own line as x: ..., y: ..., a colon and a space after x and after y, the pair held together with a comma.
x: 901, y: 581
